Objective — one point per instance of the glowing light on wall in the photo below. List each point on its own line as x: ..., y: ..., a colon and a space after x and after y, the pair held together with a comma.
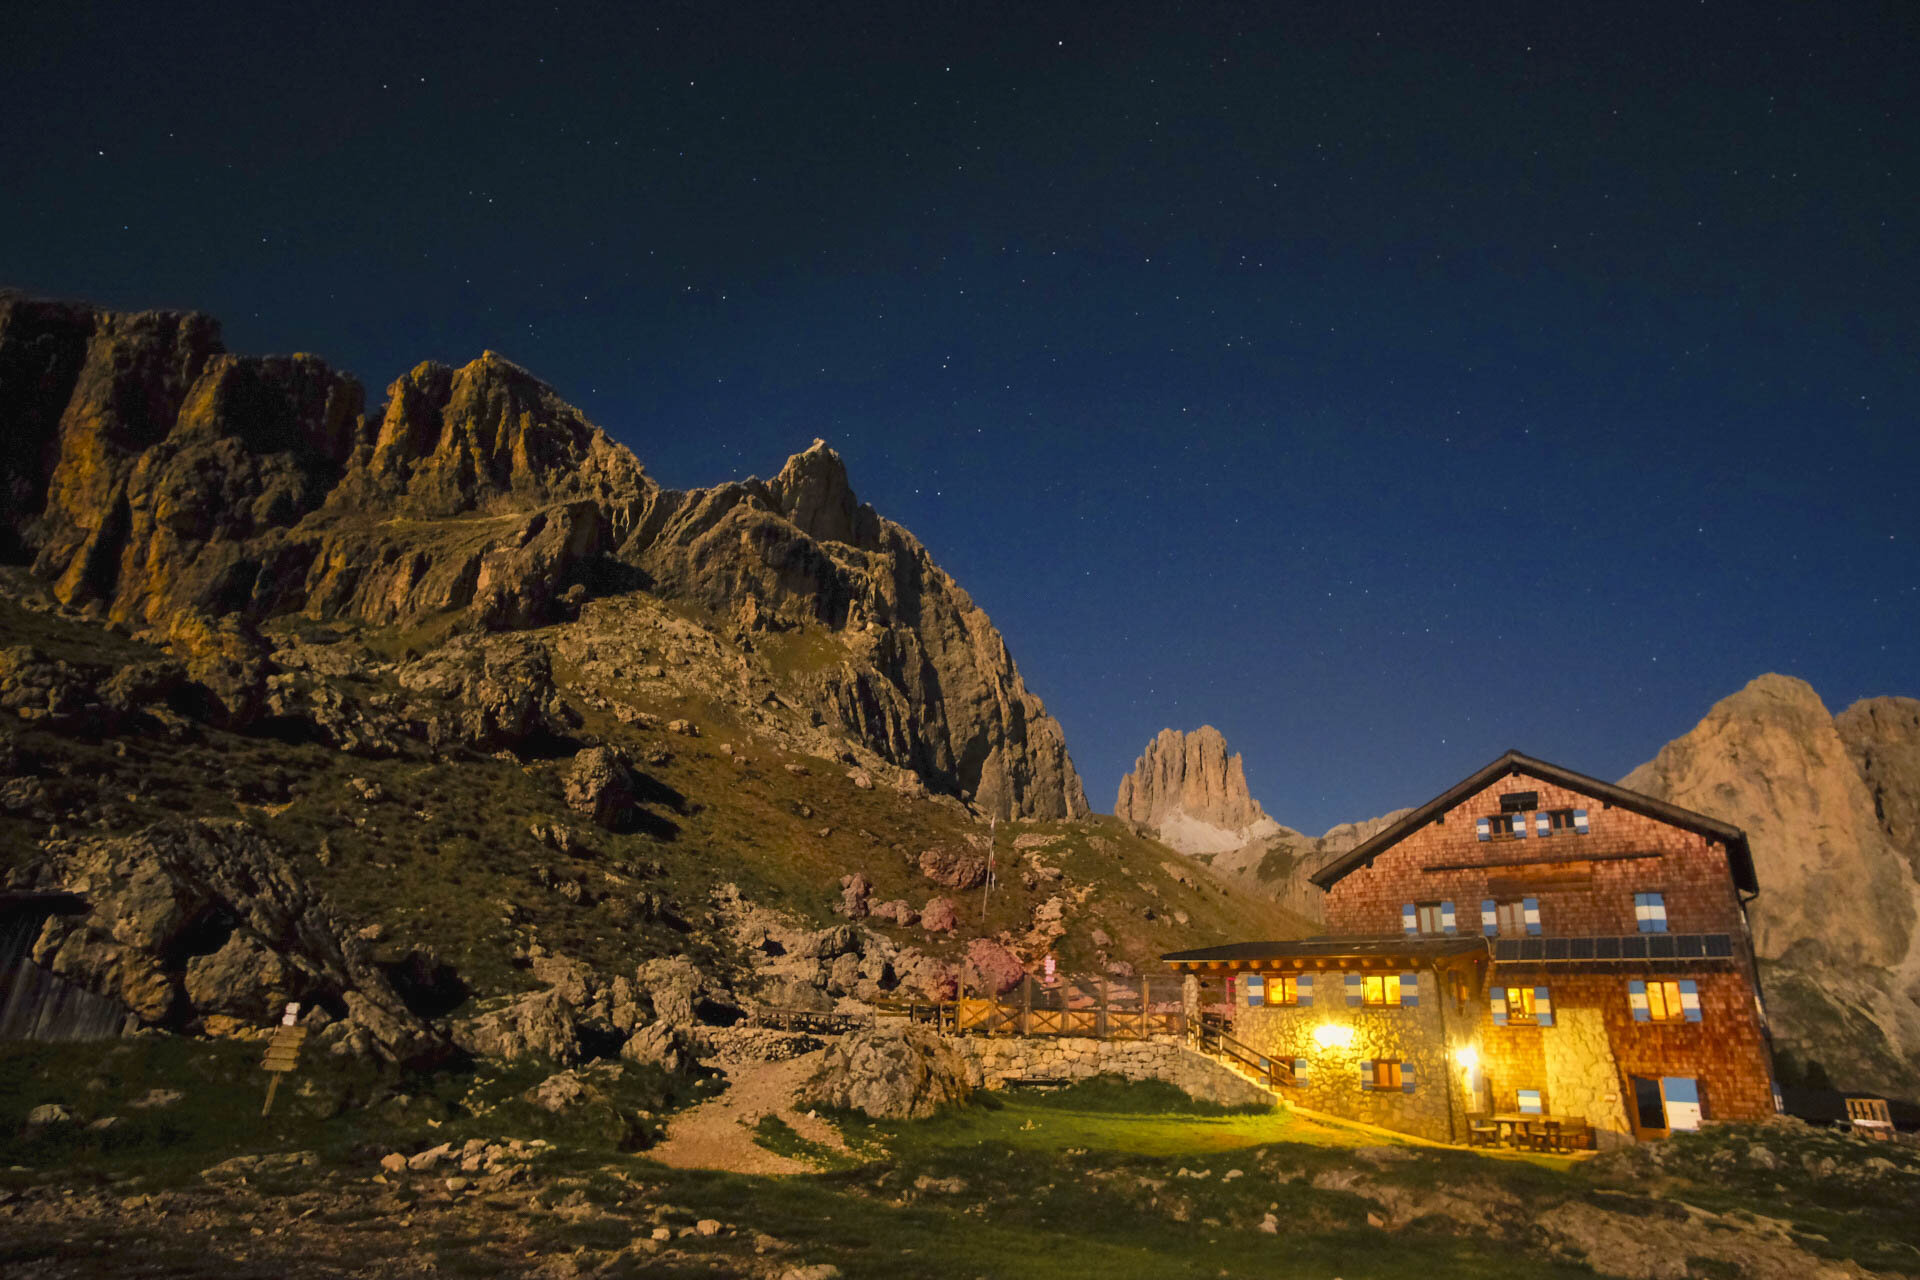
x: 1327, y: 1035
x: 1467, y: 1056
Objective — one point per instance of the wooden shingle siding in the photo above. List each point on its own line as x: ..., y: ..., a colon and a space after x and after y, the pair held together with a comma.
x: 1581, y: 882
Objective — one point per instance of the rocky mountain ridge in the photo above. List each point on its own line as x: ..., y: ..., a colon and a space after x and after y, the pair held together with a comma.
x: 1828, y: 804
x: 183, y: 490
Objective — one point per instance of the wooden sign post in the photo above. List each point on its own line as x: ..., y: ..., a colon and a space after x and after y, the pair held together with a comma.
x: 283, y: 1052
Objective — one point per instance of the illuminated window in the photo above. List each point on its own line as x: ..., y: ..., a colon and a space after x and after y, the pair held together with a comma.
x: 1520, y: 1006
x: 1663, y: 1002
x: 1386, y: 1074
x: 1283, y: 988
x: 1382, y: 988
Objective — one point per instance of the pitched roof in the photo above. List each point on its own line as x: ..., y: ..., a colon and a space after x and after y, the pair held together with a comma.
x: 1739, y: 856
x: 1327, y: 948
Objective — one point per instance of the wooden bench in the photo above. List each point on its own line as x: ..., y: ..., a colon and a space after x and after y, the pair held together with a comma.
x: 1869, y: 1116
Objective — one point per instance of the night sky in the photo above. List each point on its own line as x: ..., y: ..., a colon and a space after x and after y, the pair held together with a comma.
x: 1385, y: 388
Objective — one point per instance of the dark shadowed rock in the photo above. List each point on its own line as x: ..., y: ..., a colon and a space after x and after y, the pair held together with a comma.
x: 601, y: 786
x: 192, y: 920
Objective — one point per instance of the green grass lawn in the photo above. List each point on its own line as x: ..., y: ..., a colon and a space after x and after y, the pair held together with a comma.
x: 1088, y: 1183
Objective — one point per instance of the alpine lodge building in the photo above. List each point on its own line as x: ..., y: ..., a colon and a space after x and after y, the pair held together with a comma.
x: 1533, y: 942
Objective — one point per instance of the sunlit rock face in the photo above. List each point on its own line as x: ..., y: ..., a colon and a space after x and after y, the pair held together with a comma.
x: 1828, y: 805
x: 175, y: 487
x: 1192, y: 793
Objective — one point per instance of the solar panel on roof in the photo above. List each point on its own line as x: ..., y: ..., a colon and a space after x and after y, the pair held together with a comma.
x: 1634, y: 948
x: 1580, y: 948
x: 1557, y: 948
x: 1719, y: 945
x: 1690, y: 945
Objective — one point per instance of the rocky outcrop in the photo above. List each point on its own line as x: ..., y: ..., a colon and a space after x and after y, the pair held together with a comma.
x: 176, y: 487
x: 193, y: 923
x: 1827, y: 808
x: 1192, y: 794
x: 601, y: 786
x: 890, y: 1074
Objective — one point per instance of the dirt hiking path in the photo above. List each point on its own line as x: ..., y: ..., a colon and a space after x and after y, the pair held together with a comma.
x: 718, y: 1134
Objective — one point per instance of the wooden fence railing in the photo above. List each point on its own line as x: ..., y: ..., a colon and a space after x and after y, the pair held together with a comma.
x: 1214, y: 1038
x: 1097, y: 1009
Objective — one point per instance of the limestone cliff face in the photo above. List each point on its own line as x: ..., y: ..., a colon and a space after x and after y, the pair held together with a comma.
x: 926, y: 680
x: 174, y: 486
x: 1883, y: 736
x: 1192, y: 793
x: 1827, y: 806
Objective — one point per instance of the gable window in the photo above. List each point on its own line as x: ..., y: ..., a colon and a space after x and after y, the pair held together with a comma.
x: 1559, y: 820
x: 1519, y: 802
x: 1650, y: 912
x: 1381, y: 989
x: 1504, y: 826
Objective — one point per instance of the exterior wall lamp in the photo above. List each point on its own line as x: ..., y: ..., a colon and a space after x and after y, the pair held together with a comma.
x: 1467, y: 1056
x: 1328, y: 1035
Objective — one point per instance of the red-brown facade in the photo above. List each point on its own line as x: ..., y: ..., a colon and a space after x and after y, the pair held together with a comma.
x: 1622, y: 917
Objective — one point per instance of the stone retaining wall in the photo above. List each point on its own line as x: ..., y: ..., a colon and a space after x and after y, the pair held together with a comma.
x: 993, y: 1061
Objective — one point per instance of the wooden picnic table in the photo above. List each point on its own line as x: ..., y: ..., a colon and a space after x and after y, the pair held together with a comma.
x: 1517, y: 1128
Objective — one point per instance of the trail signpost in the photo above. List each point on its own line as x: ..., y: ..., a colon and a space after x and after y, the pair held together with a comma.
x: 283, y: 1052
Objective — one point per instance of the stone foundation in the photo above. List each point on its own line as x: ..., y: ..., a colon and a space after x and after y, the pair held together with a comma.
x: 991, y: 1062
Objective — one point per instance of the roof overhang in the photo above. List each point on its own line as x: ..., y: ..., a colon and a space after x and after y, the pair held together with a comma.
x: 1739, y: 856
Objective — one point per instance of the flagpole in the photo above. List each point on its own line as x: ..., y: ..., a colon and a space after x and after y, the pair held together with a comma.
x: 986, y: 890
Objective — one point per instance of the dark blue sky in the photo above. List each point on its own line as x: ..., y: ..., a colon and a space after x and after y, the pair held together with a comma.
x: 1384, y: 389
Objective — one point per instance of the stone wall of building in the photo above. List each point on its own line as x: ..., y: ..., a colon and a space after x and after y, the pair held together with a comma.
x: 1583, y: 1061
x: 993, y: 1060
x: 1582, y: 1076
x: 1421, y: 1037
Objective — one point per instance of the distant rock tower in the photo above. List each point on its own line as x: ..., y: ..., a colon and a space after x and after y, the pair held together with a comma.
x: 1192, y: 794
